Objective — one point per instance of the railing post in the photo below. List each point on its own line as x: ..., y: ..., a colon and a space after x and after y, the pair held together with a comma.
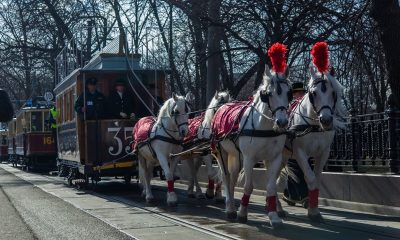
x: 393, y: 129
x: 354, y: 160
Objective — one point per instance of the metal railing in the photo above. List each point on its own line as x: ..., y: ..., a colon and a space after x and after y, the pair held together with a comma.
x: 370, y: 143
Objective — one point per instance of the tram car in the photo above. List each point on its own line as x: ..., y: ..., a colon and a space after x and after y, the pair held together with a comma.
x: 3, y: 145
x: 11, y: 151
x: 35, y: 147
x: 92, y: 149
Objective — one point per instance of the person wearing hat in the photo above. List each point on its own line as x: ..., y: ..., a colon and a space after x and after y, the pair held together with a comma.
x: 298, y: 92
x: 94, y: 104
x: 120, y: 102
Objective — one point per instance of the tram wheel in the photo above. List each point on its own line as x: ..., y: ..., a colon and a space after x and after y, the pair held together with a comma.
x: 127, y: 179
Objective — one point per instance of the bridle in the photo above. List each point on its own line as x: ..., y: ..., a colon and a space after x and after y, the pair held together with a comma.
x: 323, y: 89
x: 265, y: 96
x: 175, y: 114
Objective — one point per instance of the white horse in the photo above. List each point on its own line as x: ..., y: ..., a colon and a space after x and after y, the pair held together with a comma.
x: 260, y: 138
x: 204, y: 133
x: 167, y: 133
x: 314, y: 120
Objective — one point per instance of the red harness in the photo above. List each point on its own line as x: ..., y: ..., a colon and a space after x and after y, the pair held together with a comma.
x: 142, y: 130
x: 193, y: 125
x: 227, y: 118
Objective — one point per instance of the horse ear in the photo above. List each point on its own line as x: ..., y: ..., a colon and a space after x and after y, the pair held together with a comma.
x: 267, y: 72
x: 174, y: 96
x: 216, y: 95
x: 332, y: 71
x: 313, y: 72
x: 287, y: 72
x: 189, y: 97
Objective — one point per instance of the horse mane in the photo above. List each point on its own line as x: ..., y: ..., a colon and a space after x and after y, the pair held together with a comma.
x: 268, y: 83
x: 341, y: 112
x: 165, y: 110
x: 211, y: 109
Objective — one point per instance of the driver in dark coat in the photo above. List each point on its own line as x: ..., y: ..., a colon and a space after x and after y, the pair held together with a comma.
x: 120, y: 102
x: 94, y: 102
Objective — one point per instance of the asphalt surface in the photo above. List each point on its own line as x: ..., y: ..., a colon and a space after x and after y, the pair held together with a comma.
x: 27, y: 212
x: 50, y: 210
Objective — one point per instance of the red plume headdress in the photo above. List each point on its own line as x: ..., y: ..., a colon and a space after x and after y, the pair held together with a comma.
x: 320, y: 56
x: 277, y: 54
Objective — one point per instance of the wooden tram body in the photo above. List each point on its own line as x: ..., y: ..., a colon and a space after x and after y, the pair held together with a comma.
x: 3, y: 145
x: 34, y: 144
x: 100, y: 148
x: 12, y: 128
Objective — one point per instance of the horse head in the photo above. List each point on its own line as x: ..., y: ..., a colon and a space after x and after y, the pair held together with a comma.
x: 323, y: 96
x: 220, y: 97
x: 180, y: 112
x: 277, y: 94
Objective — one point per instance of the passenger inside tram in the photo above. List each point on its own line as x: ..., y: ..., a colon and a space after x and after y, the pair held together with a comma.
x: 92, y: 105
x: 120, y: 102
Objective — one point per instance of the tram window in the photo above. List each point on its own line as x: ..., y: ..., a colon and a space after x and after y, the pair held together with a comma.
x: 36, y: 122
x: 4, y: 140
x: 46, y: 119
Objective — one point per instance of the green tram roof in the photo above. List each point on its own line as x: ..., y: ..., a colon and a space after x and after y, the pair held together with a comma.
x: 103, y: 63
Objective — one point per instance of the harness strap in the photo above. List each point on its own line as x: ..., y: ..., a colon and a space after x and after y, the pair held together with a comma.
x: 260, y: 133
x: 166, y: 139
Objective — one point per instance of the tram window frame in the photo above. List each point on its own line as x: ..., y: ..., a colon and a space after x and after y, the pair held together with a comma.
x: 39, y: 122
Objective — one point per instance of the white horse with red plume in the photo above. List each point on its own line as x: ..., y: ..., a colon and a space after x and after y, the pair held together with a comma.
x: 249, y: 132
x: 200, y: 128
x: 154, y: 140
x: 314, y: 120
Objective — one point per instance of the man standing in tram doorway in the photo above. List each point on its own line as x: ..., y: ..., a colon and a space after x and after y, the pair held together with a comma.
x: 95, y: 102
x: 120, y: 102
x: 296, y: 190
x: 53, y: 124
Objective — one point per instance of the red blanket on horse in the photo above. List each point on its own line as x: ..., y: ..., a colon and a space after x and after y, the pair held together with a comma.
x: 194, y: 124
x: 227, y: 118
x: 142, y: 129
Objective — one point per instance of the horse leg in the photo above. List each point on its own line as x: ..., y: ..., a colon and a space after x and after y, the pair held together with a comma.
x: 247, y: 189
x: 272, y: 174
x: 281, y: 181
x: 210, y: 173
x: 190, y: 164
x: 197, y: 165
x: 313, y: 210
x: 226, y: 178
x: 146, y: 178
x: 234, y: 169
x: 172, y: 198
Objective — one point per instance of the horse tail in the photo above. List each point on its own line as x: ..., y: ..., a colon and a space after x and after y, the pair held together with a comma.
x: 240, y: 180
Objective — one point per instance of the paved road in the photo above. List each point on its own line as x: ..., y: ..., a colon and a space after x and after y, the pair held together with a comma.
x: 122, y: 207
x: 27, y: 212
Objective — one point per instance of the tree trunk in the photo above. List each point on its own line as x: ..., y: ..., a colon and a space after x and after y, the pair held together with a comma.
x: 214, y: 49
x: 387, y: 16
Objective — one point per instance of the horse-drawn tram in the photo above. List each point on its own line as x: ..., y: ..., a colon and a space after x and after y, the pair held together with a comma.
x: 3, y: 145
x: 12, y: 128
x: 34, y: 143
x: 94, y: 137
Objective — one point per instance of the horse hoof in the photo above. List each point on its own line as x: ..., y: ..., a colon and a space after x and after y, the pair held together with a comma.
x: 242, y: 219
x: 191, y: 195
x: 317, y: 218
x: 282, y: 214
x: 149, y: 200
x: 200, y: 196
x: 172, y: 204
x: 231, y: 215
x: 276, y: 225
x: 209, y: 194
